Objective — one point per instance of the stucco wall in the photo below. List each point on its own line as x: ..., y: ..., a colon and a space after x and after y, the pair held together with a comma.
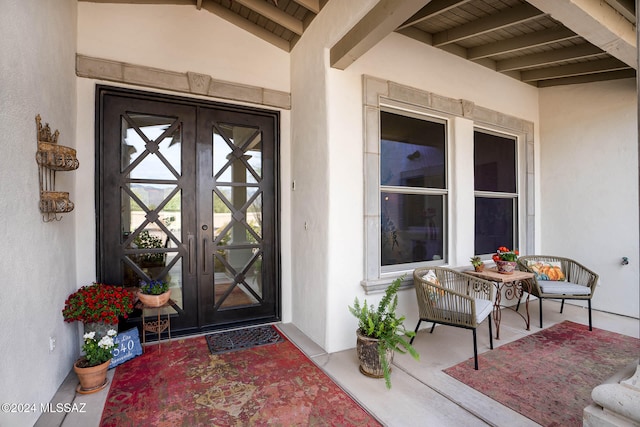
x: 332, y: 168
x: 589, y: 185
x: 37, y: 41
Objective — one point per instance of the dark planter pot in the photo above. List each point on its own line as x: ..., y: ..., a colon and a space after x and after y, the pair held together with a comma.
x: 370, y: 363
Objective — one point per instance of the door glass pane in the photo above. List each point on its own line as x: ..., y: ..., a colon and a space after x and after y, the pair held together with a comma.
x: 238, y: 277
x: 494, y: 162
x: 133, y: 215
x: 237, y: 214
x: 237, y: 154
x: 495, y: 224
x: 151, y: 147
x: 412, y: 152
x: 411, y: 228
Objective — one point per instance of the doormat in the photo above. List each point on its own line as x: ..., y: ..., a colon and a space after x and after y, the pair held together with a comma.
x: 548, y: 376
x: 185, y: 385
x: 240, y: 339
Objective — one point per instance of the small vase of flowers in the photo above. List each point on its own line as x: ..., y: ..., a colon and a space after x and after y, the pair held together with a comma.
x: 506, y: 260
x: 154, y: 293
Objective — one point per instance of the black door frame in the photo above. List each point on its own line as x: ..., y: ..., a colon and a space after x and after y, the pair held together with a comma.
x: 104, y: 90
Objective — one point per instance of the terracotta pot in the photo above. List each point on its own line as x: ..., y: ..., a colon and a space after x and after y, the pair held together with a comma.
x: 506, y: 267
x: 154, y: 300
x: 93, y: 378
x: 370, y: 363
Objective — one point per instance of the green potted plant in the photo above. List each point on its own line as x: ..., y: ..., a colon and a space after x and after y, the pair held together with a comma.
x: 380, y: 333
x: 92, y: 367
x: 154, y: 293
x: 477, y: 263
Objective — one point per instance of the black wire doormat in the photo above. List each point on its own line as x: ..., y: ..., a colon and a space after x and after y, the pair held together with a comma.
x: 240, y: 339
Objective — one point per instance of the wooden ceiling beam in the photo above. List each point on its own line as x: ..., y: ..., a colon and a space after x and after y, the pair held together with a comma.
x: 548, y: 58
x: 381, y: 21
x: 312, y: 5
x: 178, y: 2
x: 571, y: 70
x: 598, y: 23
x: 589, y: 78
x: 274, y: 14
x: 436, y: 7
x: 246, y: 25
x: 505, y: 18
x: 525, y: 41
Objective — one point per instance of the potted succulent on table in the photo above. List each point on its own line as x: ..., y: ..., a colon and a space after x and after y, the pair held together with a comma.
x: 154, y: 293
x: 477, y: 263
x: 506, y: 260
x: 380, y: 333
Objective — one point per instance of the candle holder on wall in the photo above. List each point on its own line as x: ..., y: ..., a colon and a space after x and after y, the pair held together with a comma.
x: 52, y: 158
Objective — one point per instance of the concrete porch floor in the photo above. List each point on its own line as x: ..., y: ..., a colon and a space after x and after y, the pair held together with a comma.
x: 421, y: 393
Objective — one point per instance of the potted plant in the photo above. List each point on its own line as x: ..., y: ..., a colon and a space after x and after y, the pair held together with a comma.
x: 91, y: 368
x: 154, y: 293
x: 98, y: 306
x: 380, y: 333
x: 506, y: 260
x: 477, y: 263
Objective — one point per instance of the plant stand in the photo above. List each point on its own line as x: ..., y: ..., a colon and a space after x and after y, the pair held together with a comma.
x: 158, y: 325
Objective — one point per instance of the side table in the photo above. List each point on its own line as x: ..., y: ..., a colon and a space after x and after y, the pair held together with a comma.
x: 515, y: 284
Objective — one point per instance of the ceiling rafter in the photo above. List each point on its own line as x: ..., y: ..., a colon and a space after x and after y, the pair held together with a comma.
x: 551, y: 57
x: 381, y: 21
x: 312, y: 5
x: 436, y: 7
x: 524, y: 12
x: 274, y: 14
x: 523, y: 42
x: 571, y: 70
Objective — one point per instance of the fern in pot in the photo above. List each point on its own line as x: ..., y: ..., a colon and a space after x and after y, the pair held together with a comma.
x: 381, y: 333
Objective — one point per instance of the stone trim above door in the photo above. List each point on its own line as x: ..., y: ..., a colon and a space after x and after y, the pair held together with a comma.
x: 189, y: 82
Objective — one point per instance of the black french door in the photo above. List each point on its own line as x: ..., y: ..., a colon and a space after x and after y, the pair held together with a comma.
x: 187, y: 193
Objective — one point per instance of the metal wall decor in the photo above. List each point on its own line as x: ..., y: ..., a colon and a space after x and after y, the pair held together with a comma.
x: 51, y: 158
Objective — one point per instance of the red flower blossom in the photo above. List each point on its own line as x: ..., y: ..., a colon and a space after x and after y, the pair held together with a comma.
x: 98, y: 303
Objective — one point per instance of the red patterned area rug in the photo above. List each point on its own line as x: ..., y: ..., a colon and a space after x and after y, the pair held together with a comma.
x: 182, y: 384
x: 548, y: 376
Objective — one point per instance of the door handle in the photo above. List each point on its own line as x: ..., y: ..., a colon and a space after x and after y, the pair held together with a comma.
x: 205, y: 256
x: 190, y: 243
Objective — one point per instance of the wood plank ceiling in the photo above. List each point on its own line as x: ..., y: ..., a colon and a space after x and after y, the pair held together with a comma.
x: 512, y: 37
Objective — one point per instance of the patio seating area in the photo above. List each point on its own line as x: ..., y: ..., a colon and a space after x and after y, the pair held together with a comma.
x: 438, y: 400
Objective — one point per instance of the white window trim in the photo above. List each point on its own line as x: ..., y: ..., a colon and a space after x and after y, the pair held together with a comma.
x: 378, y: 92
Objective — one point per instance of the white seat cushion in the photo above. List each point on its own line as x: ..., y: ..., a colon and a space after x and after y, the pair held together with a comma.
x: 483, y: 309
x: 568, y: 288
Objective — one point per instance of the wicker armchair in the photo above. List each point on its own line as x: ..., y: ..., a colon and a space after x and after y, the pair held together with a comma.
x: 580, y: 282
x: 452, y: 298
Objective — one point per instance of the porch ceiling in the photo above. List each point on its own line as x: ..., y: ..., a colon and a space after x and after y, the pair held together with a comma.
x: 540, y: 42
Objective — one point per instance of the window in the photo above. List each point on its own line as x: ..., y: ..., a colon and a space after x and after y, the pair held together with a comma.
x: 420, y: 185
x: 412, y: 189
x: 495, y: 185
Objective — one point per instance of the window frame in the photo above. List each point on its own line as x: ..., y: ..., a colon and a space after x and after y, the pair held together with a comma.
x: 515, y: 197
x: 390, y: 107
x: 379, y: 93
